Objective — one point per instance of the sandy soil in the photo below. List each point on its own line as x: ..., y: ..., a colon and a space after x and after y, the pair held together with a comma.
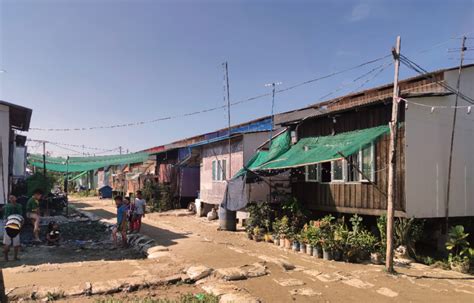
x: 195, y: 241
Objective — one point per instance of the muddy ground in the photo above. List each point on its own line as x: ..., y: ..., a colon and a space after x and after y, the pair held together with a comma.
x: 194, y: 241
x: 81, y: 241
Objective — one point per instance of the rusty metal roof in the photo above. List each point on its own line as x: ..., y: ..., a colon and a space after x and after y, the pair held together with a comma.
x: 423, y: 85
x: 20, y: 116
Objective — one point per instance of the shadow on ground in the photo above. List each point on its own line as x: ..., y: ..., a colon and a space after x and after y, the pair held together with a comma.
x: 162, y: 236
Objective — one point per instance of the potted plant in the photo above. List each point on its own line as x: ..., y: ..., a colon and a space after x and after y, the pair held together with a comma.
x: 276, y: 231
x: 458, y: 246
x: 285, y: 232
x: 327, y: 236
x: 340, y: 239
x: 304, y: 239
x: 249, y: 231
x: 257, y: 234
x: 295, y: 244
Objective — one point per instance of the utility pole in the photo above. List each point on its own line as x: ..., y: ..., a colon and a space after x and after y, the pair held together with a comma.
x: 44, y: 176
x: 120, y: 149
x: 44, y: 159
x: 226, y: 67
x: 458, y: 86
x: 392, y: 160
x: 273, y: 86
x: 66, y: 186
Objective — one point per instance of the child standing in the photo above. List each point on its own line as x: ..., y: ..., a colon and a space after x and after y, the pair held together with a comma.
x: 139, y: 212
x: 122, y: 221
x: 33, y: 212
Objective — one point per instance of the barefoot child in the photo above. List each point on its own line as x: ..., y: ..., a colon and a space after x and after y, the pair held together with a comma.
x: 139, y: 211
x: 13, y: 215
x: 122, y: 221
x: 33, y: 212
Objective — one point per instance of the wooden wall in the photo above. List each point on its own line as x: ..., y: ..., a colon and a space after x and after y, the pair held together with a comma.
x: 363, y: 198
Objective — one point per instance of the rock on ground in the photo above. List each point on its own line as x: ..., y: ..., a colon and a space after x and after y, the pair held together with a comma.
x: 289, y: 282
x: 157, y: 248
x: 199, y: 272
x: 308, y: 292
x: 231, y: 274
x: 240, y: 297
x: 242, y: 272
x: 387, y: 292
x: 358, y: 283
x: 159, y: 255
x: 219, y: 289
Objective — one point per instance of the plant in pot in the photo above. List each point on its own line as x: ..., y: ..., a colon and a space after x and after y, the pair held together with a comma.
x: 267, y: 223
x: 340, y: 240
x: 257, y: 234
x: 276, y: 231
x: 367, y: 243
x: 458, y: 246
x: 314, y: 239
x: 285, y: 232
x: 295, y: 243
x: 360, y: 242
x: 304, y: 239
x: 327, y: 236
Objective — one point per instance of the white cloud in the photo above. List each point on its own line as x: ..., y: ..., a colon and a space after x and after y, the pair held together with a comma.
x: 359, y: 12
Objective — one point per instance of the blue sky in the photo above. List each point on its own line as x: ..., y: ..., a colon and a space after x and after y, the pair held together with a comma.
x: 87, y: 63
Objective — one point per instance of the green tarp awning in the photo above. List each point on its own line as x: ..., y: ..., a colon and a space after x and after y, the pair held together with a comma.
x: 314, y: 150
x: 80, y: 164
x: 279, y: 145
x: 78, y: 175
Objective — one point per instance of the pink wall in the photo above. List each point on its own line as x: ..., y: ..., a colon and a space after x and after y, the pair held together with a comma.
x: 213, y: 191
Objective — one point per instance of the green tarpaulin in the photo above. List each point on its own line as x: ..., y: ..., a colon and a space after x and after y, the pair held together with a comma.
x: 279, y: 145
x: 80, y: 164
x: 78, y: 175
x: 314, y: 150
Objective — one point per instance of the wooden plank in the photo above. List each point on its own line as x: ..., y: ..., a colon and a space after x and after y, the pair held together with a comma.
x: 362, y: 211
x: 356, y: 192
x: 363, y: 196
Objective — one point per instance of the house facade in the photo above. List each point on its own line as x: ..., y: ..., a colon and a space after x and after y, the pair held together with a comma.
x: 217, y: 166
x: 357, y: 182
x: 12, y: 146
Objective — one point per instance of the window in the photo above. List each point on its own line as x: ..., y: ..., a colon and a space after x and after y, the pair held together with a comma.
x: 337, y: 171
x: 219, y: 168
x: 362, y: 161
x: 353, y: 174
x: 325, y: 172
x: 214, y: 170
x: 313, y: 173
x: 367, y: 162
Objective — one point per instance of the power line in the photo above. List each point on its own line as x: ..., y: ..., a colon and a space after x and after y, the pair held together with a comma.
x: 71, y: 145
x: 352, y: 82
x: 133, y: 124
x: 416, y: 67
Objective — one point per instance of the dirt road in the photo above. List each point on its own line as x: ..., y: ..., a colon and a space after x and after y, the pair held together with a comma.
x: 195, y: 241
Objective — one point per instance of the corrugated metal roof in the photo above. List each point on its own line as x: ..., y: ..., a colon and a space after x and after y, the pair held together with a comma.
x: 423, y: 85
x: 20, y: 116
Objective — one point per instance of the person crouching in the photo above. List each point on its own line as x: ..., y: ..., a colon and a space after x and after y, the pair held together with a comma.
x: 54, y: 234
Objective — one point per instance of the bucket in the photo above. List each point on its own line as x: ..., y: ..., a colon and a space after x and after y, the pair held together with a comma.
x: 227, y: 219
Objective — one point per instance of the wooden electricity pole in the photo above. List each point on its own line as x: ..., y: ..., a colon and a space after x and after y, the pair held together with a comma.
x: 458, y: 84
x: 392, y: 160
x: 226, y: 67
x: 44, y: 159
